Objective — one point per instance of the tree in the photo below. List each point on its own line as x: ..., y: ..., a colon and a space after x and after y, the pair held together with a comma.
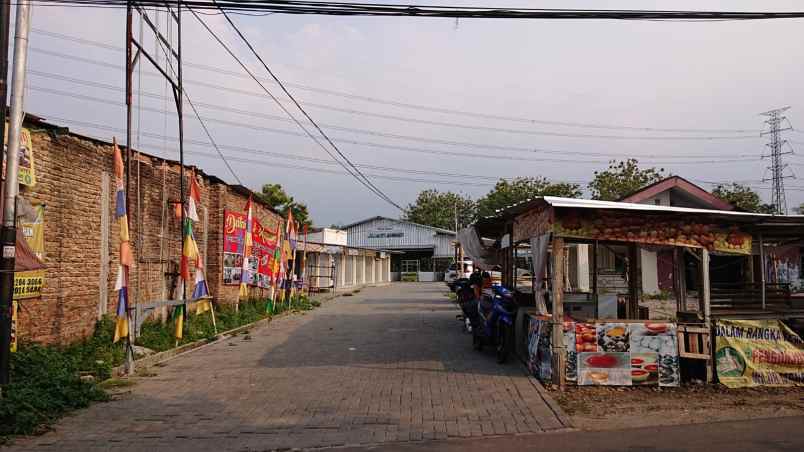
x: 509, y: 192
x: 742, y: 197
x: 275, y: 196
x: 435, y: 208
x: 622, y: 178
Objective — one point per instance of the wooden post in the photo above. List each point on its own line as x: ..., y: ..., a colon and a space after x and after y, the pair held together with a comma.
x: 559, y: 354
x: 594, y: 278
x: 707, y: 308
x: 762, y: 269
x: 632, y: 308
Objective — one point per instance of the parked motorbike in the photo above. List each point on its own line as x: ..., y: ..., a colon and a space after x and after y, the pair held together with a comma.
x: 494, y: 324
x: 465, y: 299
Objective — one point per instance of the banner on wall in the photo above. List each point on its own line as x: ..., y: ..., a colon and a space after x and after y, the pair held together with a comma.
x: 265, y: 242
x: 27, y: 172
x: 654, y: 230
x: 14, y: 333
x: 758, y: 353
x: 609, y: 354
x: 28, y: 284
x: 234, y: 231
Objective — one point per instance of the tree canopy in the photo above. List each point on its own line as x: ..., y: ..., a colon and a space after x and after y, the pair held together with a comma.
x: 622, y: 178
x: 275, y: 196
x: 435, y: 208
x: 742, y: 197
x: 509, y: 192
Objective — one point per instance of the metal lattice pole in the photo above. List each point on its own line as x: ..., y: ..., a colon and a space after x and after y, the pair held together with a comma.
x: 777, y: 167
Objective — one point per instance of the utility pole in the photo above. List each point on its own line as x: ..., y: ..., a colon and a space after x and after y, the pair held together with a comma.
x: 8, y: 237
x: 777, y: 168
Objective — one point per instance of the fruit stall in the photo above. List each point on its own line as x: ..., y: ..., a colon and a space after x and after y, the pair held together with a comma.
x: 579, y: 327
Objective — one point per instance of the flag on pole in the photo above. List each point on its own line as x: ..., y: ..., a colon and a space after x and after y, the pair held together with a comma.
x: 126, y: 260
x: 195, y: 198
x: 190, y: 254
x: 245, y: 277
x: 291, y: 231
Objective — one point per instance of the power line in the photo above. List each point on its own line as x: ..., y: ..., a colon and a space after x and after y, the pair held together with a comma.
x: 352, y: 96
x: 387, y: 146
x: 443, y: 11
x: 362, y: 179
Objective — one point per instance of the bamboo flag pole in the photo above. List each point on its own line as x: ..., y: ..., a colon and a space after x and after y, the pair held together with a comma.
x: 304, y: 261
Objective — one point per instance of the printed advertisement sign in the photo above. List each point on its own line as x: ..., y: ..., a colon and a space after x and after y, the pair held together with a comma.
x: 654, y: 230
x: 29, y: 284
x: 758, y: 353
x: 14, y: 333
x: 27, y: 173
x: 265, y: 241
x: 616, y: 354
x: 234, y: 232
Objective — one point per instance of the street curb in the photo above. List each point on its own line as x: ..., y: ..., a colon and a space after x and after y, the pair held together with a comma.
x: 156, y: 358
x: 562, y: 417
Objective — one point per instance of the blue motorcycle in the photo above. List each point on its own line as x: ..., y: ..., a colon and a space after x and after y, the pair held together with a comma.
x: 494, y: 323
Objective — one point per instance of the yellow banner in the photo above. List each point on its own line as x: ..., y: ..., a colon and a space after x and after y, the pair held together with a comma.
x: 28, y: 284
x: 27, y: 171
x: 13, y: 326
x: 758, y: 353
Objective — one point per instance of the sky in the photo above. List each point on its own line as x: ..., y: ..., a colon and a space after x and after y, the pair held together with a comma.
x: 504, y: 83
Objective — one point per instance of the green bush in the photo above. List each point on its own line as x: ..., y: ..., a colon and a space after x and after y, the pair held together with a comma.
x: 45, y: 384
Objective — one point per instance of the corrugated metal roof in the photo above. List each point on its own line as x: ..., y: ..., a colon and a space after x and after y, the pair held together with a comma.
x: 380, y: 217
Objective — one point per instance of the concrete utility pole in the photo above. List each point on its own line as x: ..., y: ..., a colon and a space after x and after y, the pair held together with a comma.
x: 777, y: 168
x: 9, y: 233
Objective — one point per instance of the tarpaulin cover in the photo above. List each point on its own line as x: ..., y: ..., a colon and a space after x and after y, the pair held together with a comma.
x: 473, y: 248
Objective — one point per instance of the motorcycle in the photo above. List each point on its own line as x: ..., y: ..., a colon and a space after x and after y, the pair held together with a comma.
x: 466, y: 300
x: 494, y: 324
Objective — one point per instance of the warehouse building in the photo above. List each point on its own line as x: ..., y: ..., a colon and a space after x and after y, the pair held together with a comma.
x: 418, y: 252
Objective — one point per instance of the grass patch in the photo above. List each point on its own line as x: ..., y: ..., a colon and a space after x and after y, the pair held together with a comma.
x: 46, y: 380
x: 45, y: 385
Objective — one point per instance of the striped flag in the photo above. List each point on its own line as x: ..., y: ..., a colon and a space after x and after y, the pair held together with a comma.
x: 195, y: 198
x: 248, y: 243
x: 126, y: 259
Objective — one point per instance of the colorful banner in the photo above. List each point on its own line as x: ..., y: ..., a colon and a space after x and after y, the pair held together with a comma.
x: 14, y: 314
x: 234, y: 230
x: 26, y: 170
x: 612, y: 354
x: 758, y: 353
x: 653, y: 230
x: 265, y: 242
x: 29, y: 284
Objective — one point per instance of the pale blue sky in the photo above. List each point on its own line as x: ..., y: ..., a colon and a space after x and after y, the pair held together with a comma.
x: 714, y: 75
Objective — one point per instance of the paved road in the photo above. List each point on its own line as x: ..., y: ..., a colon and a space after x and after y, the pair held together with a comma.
x: 388, y: 365
x: 779, y: 434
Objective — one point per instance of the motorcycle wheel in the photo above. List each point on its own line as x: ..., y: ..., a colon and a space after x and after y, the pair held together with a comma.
x: 503, y: 343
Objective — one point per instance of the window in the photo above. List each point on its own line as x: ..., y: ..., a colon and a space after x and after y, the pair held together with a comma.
x: 410, y: 266
x: 658, y: 202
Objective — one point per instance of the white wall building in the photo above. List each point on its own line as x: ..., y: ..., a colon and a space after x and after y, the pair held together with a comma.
x: 420, y: 252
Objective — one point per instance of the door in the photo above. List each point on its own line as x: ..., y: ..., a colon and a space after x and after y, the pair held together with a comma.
x: 410, y: 270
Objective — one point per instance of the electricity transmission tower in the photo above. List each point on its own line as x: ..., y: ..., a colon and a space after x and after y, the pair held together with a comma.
x: 777, y: 168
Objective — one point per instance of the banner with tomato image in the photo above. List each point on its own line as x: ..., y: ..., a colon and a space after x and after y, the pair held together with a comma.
x: 653, y: 230
x: 265, y: 243
x: 752, y: 353
x: 623, y: 354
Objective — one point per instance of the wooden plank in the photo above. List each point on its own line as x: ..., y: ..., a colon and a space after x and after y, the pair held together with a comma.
x: 557, y: 296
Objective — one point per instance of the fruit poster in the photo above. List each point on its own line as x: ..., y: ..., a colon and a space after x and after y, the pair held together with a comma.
x: 616, y: 354
x: 653, y: 230
x: 234, y: 233
x: 26, y: 173
x: 758, y: 353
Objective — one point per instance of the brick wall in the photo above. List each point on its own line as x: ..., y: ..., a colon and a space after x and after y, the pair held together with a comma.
x: 75, y: 180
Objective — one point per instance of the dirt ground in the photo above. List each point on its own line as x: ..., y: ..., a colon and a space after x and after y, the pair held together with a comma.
x: 604, y: 408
